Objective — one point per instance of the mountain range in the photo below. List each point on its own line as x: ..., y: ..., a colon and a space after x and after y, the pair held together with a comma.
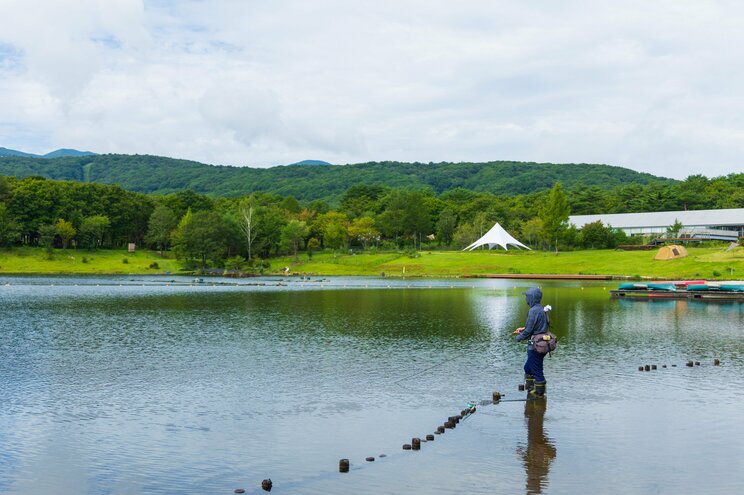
x: 52, y: 154
x: 312, y: 181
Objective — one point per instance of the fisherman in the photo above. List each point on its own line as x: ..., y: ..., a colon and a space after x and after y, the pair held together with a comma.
x: 537, y: 323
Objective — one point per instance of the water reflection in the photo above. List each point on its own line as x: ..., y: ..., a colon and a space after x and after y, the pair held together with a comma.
x: 540, y: 451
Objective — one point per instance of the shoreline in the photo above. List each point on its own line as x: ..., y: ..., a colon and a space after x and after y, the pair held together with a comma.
x: 709, y: 263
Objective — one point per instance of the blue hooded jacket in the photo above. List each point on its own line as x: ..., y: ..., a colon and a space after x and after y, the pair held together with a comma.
x: 537, y: 320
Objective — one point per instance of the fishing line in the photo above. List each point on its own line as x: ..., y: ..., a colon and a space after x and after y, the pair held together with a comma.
x: 419, y: 373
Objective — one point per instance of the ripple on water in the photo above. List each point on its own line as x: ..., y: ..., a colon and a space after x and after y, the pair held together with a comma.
x: 182, y: 389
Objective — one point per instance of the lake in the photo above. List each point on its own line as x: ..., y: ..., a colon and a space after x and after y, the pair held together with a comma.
x: 149, y: 385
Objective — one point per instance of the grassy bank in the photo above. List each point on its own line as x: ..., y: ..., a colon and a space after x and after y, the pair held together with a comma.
x: 707, y: 263
x: 27, y: 260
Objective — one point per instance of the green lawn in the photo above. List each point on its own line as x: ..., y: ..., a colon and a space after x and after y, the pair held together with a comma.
x: 70, y: 261
x: 707, y: 263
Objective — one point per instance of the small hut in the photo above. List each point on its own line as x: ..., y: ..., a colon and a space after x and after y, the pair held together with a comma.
x: 671, y: 252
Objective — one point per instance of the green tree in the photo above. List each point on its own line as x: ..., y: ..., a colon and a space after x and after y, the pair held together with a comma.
x: 465, y: 235
x: 446, y: 226
x: 532, y: 231
x: 363, y: 230
x: 293, y: 235
x: 272, y: 220
x: 5, y: 189
x: 235, y: 264
x: 47, y: 235
x: 554, y: 215
x: 66, y: 231
x: 290, y: 204
x: 160, y: 227
x: 92, y: 230
x: 361, y: 199
x: 673, y: 230
x: 313, y: 245
x: 202, y: 237
x: 405, y: 215
x: 596, y: 236
x: 331, y: 229
x: 9, y: 229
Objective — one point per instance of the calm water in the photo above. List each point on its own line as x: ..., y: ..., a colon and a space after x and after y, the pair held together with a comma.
x: 129, y: 385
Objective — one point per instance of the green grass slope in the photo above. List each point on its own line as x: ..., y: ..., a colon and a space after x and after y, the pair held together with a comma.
x: 707, y: 263
x: 27, y: 260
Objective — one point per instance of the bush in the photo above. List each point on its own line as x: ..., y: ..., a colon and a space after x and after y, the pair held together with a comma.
x: 125, y: 261
x: 154, y: 265
x: 716, y: 273
x: 84, y: 260
x: 235, y: 264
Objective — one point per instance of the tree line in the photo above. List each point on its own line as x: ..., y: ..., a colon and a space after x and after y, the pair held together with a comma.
x: 242, y: 232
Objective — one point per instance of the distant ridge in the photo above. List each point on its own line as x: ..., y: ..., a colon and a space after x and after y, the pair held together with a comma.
x: 68, y: 152
x: 52, y: 154
x: 9, y: 152
x: 161, y: 175
x: 311, y: 162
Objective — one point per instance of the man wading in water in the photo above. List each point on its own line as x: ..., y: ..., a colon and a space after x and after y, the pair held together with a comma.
x: 537, y: 323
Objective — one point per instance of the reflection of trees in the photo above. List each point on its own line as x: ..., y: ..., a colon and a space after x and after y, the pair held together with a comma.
x: 540, y: 450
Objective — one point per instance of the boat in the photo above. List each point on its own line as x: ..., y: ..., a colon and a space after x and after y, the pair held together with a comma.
x: 692, y: 290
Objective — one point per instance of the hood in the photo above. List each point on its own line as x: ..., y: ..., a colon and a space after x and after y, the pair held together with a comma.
x: 533, y: 296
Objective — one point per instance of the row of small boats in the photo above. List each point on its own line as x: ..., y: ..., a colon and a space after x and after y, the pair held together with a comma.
x: 683, y: 289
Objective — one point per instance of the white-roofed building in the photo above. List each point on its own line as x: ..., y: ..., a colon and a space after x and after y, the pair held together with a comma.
x: 658, y: 222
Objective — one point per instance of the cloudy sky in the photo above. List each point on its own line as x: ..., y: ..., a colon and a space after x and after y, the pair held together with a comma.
x: 656, y: 86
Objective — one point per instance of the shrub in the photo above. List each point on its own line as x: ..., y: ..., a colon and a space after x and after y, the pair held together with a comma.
x: 154, y: 265
x: 125, y: 261
x: 84, y: 260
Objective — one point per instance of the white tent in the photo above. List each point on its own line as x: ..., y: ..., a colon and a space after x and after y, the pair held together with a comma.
x: 497, y: 236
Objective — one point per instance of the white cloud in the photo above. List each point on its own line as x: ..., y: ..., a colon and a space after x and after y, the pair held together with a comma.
x: 653, y: 86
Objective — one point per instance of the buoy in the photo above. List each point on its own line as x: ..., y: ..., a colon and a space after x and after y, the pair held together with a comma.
x: 440, y: 430
x: 382, y: 455
x: 239, y: 490
x: 653, y: 366
x: 640, y: 368
x: 663, y: 365
x: 521, y: 387
x: 416, y: 443
x: 674, y: 366
x: 647, y: 368
x: 689, y: 364
x: 429, y: 437
x: 370, y: 459
x: 716, y: 362
x: 343, y: 466
x: 464, y: 413
x: 266, y: 485
x: 449, y: 424
x: 406, y: 446
x: 496, y: 396
x: 697, y: 363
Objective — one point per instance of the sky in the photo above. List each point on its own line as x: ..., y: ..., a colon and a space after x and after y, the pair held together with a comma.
x: 655, y: 86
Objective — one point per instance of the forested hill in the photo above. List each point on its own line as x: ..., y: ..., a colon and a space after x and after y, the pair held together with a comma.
x: 160, y: 175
